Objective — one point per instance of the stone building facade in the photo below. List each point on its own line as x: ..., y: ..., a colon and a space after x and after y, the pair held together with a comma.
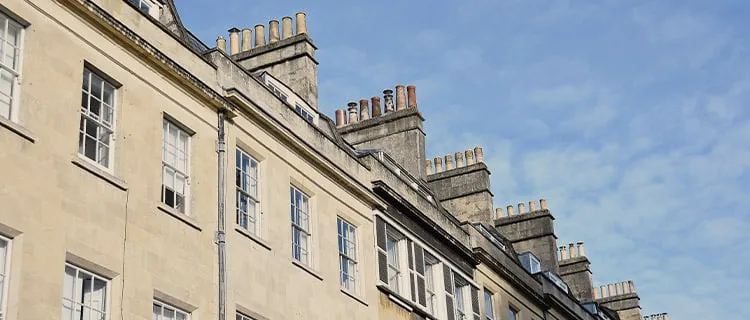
x: 146, y: 175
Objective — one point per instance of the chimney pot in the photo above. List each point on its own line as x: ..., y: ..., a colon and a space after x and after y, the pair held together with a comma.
x: 469, y: 157
x: 581, y: 252
x: 428, y: 166
x: 521, y: 208
x: 375, y: 107
x: 611, y: 289
x: 340, y: 118
x: 234, y: 41
x: 221, y: 44
x: 498, y: 213
x: 666, y: 316
x: 388, y: 97
x: 632, y: 286
x: 411, y: 94
x: 286, y: 27
x: 618, y: 288
x: 603, y: 288
x: 478, y: 154
x: 572, y: 250
x: 352, y: 112
x: 459, y: 159
x: 596, y: 293
x: 543, y: 204
x: 564, y: 253
x: 247, y: 39
x: 273, y: 32
x: 509, y: 209
x: 260, y: 35
x: 532, y: 206
x: 400, y: 97
x: 301, y: 23
x: 364, y: 109
x: 448, y: 162
x: 625, y: 288
x: 438, y: 164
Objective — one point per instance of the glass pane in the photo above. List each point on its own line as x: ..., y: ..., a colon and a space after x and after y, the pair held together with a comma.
x: 14, y: 33
x: 99, y: 295
x: 109, y: 94
x: 181, y: 316
x: 157, y: 312
x: 95, y: 108
x: 90, y: 148
x: 96, y: 86
x: 86, y: 79
x: 69, y: 283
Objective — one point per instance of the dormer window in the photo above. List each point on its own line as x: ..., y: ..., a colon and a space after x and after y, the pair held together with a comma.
x: 151, y: 7
x: 290, y: 97
x: 530, y: 262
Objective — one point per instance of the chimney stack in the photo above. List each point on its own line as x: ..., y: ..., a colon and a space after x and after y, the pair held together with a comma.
x: 273, y: 33
x: 247, y: 39
x: 286, y: 27
x: 459, y: 159
x: 234, y: 41
x: 301, y: 23
x: 388, y: 97
x: 364, y: 110
x: 221, y: 44
x: 400, y: 97
x: 411, y: 92
x: 375, y: 107
x: 340, y: 118
x: 260, y: 35
x: 352, y: 112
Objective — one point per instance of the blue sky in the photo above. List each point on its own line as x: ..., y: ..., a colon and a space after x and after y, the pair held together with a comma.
x: 631, y: 117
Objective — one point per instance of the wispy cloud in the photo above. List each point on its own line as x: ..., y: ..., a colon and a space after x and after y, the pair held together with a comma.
x: 630, y: 117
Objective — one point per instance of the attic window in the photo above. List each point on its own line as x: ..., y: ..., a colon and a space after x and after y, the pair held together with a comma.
x: 303, y: 113
x: 149, y: 7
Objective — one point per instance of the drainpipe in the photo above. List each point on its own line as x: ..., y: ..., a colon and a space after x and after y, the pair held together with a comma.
x: 220, y: 233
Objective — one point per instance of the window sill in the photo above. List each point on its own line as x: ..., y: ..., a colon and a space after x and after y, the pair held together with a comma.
x: 354, y: 296
x: 403, y: 302
x: 85, y: 165
x: 253, y: 237
x: 307, y: 269
x: 17, y: 129
x: 180, y: 216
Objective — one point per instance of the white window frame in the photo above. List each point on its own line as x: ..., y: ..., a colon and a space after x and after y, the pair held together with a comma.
x: 395, y: 260
x: 4, y: 278
x: 300, y: 221
x: 102, y: 127
x: 165, y: 166
x: 15, y: 70
x: 459, y: 299
x: 430, y: 285
x: 150, y: 7
x: 245, y: 190
x: 512, y: 311
x: 80, y: 306
x: 347, y: 245
x: 489, y: 305
x: 242, y: 316
x: 163, y: 305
